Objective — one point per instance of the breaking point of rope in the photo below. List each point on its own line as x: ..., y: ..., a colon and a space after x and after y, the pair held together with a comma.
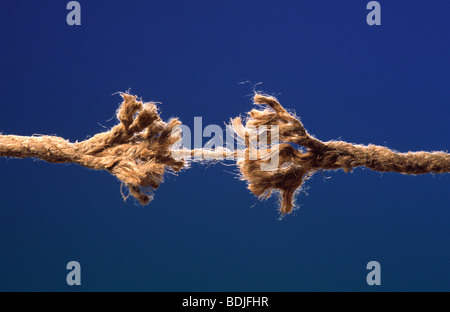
x: 141, y: 148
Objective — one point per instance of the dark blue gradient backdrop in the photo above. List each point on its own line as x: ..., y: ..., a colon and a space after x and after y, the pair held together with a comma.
x: 204, y: 231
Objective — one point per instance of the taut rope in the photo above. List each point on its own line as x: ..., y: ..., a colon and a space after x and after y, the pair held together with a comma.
x: 139, y: 150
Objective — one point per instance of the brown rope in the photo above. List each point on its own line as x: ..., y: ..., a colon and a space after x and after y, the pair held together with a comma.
x: 139, y: 150
x: 136, y: 151
x: 296, y: 166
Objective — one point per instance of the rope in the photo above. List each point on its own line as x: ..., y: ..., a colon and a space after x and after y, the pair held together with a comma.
x: 296, y: 166
x: 138, y: 151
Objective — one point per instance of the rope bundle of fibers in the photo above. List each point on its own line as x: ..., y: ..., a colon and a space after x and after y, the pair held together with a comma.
x: 296, y: 166
x: 138, y: 151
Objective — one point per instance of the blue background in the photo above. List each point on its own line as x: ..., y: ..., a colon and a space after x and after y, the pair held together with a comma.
x: 204, y: 231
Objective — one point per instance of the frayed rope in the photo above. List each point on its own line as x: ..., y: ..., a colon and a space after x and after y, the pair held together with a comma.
x: 138, y: 151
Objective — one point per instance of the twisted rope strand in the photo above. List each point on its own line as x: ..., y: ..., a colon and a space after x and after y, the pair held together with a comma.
x: 296, y: 166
